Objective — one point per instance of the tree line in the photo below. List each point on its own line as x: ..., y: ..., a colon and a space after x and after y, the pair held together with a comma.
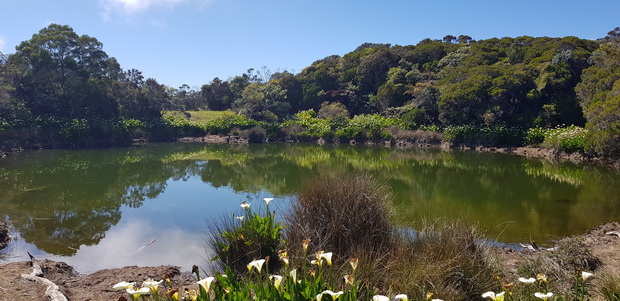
x: 524, y: 82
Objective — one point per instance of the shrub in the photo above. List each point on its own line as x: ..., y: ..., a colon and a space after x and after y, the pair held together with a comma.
x: 366, y: 127
x: 487, y: 136
x: 255, y: 135
x: 569, y: 139
x: 223, y: 125
x: 535, y: 136
x: 245, y: 238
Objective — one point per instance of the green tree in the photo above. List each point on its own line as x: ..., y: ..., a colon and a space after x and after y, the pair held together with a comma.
x: 218, y: 95
x: 59, y: 73
x: 140, y: 98
x: 10, y: 107
x: 263, y: 102
x: 599, y: 96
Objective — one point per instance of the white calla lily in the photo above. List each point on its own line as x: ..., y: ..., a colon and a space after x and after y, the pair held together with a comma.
x: 328, y: 257
x: 267, y: 200
x: 494, y: 296
x: 402, y: 297
x: 141, y: 291
x: 380, y: 298
x: 258, y: 264
x: 543, y: 296
x: 585, y: 275
x: 123, y: 285
x: 277, y: 280
x: 206, y: 283
x: 527, y: 280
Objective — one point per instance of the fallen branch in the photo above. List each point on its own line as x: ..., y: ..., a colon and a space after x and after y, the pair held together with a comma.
x: 616, y: 233
x: 52, y: 291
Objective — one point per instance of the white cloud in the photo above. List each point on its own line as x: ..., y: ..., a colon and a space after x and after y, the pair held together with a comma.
x: 131, y: 7
x: 2, y: 43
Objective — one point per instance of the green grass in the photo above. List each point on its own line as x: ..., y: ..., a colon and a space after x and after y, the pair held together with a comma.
x: 201, y: 117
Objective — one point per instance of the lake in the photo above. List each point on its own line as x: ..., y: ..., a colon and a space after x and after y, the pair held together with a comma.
x: 101, y: 208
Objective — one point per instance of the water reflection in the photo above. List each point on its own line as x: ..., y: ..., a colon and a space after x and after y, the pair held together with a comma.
x: 86, y: 203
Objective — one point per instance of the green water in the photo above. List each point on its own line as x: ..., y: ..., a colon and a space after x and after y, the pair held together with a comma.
x: 99, y: 208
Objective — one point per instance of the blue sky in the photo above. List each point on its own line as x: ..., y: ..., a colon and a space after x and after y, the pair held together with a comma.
x: 192, y: 41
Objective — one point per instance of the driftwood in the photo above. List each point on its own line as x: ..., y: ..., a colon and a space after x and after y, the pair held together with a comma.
x: 616, y: 233
x: 52, y: 291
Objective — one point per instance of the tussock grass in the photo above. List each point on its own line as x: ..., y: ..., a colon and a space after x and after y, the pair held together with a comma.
x: 343, y: 216
x: 351, y: 217
x: 446, y: 257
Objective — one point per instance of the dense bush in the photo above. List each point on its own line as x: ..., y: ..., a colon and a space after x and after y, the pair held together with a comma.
x: 569, y: 139
x: 255, y: 134
x: 535, y: 136
x: 223, y: 125
x: 366, y: 127
x: 487, y: 136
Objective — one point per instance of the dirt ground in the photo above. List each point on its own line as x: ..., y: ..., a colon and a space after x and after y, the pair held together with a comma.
x: 98, y: 285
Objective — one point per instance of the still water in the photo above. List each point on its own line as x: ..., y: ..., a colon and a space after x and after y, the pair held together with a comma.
x: 98, y: 209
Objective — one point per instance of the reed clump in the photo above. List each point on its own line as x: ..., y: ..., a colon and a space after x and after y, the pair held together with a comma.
x: 343, y: 215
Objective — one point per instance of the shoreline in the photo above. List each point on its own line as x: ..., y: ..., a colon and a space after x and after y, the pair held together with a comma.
x: 602, y: 242
x: 523, y: 151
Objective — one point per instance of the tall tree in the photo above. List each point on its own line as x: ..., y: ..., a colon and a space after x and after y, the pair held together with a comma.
x: 63, y: 74
x: 599, y: 95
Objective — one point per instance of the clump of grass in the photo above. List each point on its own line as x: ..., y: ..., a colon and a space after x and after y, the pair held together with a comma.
x: 415, y: 136
x: 344, y: 215
x: 560, y: 266
x: 445, y: 257
x: 609, y: 287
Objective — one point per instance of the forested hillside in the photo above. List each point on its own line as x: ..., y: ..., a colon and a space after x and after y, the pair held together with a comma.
x: 63, y: 80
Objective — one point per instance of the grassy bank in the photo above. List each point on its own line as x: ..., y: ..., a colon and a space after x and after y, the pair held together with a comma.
x: 337, y: 240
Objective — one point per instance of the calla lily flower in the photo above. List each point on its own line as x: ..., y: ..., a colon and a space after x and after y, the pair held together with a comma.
x: 543, y: 296
x: 349, y: 279
x: 304, y: 244
x: 328, y: 257
x: 267, y: 200
x: 380, y: 298
x: 328, y: 292
x: 277, y: 280
x: 206, y: 283
x: 527, y: 280
x: 245, y: 205
x: 152, y: 284
x: 437, y: 300
x: 123, y: 285
x: 493, y: 296
x: 192, y: 294
x: 541, y: 278
x: 585, y: 275
x: 401, y: 297
x: 240, y: 218
x: 141, y: 291
x: 354, y: 262
x: 258, y: 264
